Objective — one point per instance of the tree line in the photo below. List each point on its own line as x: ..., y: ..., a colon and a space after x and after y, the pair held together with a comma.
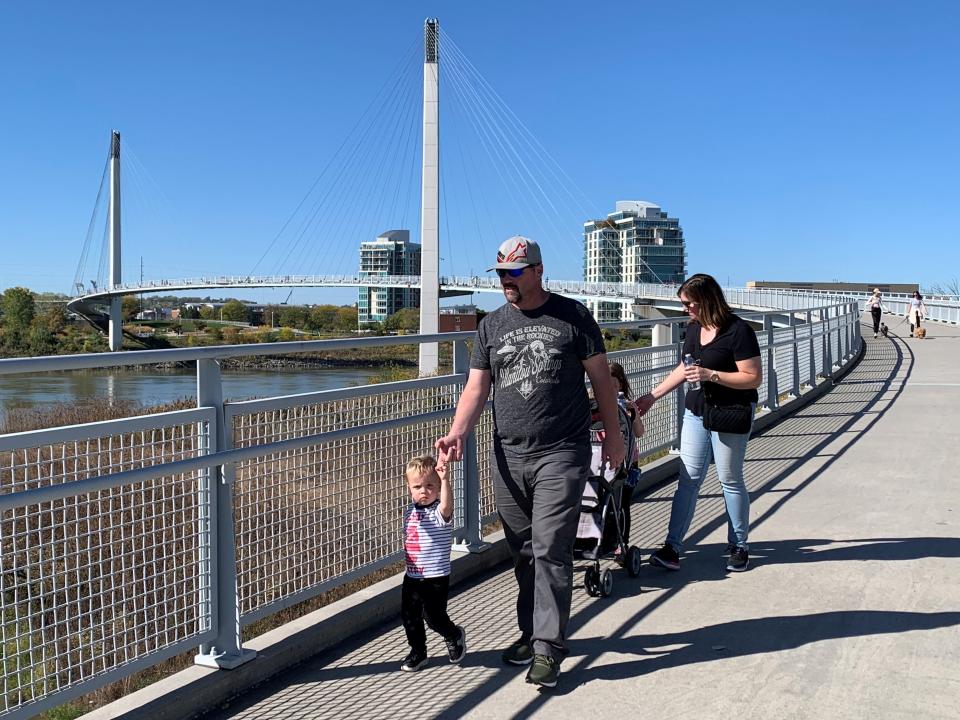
x: 27, y: 330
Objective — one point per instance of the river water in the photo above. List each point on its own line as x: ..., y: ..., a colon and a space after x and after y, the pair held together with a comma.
x: 153, y: 387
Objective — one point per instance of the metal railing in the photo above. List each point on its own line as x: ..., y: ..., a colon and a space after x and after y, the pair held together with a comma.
x: 123, y: 543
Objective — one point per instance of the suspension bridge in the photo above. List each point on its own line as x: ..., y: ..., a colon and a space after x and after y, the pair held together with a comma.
x: 129, y: 542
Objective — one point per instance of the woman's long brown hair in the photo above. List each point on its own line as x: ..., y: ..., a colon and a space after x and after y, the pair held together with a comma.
x: 712, y: 308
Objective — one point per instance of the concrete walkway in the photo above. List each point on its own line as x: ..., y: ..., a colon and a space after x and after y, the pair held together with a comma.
x: 850, y: 609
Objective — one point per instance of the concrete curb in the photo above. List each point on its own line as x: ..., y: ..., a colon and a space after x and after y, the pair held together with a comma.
x: 197, y: 690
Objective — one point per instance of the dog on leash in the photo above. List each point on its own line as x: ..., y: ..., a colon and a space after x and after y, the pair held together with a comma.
x: 883, y: 329
x: 920, y: 332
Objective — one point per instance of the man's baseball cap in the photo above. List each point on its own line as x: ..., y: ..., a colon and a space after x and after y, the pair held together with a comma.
x: 517, y: 252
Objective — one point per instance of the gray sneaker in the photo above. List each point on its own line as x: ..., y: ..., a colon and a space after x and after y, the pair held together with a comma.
x: 544, y: 671
x: 520, y: 653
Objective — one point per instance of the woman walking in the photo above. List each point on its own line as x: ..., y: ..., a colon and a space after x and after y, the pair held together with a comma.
x: 876, y: 309
x: 917, y: 311
x: 725, y: 361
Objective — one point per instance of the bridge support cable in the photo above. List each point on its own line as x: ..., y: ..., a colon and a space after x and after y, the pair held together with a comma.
x: 331, y: 208
x: 525, y: 169
x: 353, y: 217
x: 81, y: 275
x: 515, y: 175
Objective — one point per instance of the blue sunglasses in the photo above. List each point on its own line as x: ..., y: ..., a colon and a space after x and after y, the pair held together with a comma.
x: 512, y: 272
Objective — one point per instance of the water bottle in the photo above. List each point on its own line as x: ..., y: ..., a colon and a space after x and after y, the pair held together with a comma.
x: 622, y: 400
x: 688, y: 360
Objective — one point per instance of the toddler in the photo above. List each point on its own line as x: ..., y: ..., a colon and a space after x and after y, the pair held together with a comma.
x: 427, y: 537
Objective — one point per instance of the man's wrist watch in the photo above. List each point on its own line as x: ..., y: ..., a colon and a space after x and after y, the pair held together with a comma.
x: 714, y: 376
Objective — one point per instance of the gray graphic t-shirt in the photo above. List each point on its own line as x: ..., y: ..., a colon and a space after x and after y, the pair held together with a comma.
x: 536, y: 360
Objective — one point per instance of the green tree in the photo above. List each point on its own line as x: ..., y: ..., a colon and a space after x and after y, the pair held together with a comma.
x: 322, y: 318
x: 189, y: 313
x: 55, y: 319
x: 236, y: 311
x: 207, y: 313
x: 129, y: 307
x: 405, y: 319
x: 18, y: 309
x: 293, y: 316
x: 346, y: 320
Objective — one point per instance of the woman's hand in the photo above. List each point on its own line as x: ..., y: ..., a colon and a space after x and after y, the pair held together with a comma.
x: 643, y: 404
x: 695, y: 373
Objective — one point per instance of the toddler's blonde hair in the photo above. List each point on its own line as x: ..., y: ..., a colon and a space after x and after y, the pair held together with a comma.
x: 421, y: 465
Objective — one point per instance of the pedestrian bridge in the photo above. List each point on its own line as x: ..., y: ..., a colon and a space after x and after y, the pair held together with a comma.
x: 131, y: 541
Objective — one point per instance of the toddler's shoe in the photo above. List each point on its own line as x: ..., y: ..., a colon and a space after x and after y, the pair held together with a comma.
x: 414, y: 661
x: 457, y: 647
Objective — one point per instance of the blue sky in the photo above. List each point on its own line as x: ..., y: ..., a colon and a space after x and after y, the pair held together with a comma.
x: 800, y: 141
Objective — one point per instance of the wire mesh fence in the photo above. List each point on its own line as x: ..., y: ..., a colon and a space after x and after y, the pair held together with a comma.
x: 96, y: 581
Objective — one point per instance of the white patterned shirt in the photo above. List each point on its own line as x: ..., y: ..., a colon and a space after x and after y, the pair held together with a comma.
x: 427, y: 538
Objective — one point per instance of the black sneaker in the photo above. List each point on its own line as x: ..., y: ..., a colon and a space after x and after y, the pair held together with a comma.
x: 738, y: 561
x: 730, y: 549
x: 544, y: 671
x: 520, y: 653
x: 414, y: 661
x: 457, y: 647
x: 666, y: 557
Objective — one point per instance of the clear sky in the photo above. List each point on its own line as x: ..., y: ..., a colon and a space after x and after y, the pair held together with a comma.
x: 794, y: 141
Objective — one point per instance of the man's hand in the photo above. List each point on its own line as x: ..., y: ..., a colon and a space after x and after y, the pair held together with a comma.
x: 613, y: 450
x: 450, y: 447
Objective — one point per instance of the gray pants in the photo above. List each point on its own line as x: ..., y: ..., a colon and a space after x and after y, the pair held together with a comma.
x: 538, y: 499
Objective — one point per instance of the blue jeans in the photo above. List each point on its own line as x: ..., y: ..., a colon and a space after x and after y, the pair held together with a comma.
x: 697, y: 445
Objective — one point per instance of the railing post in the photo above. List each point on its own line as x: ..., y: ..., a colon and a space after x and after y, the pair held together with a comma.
x: 795, y: 389
x: 813, y: 357
x: 855, y: 334
x: 828, y: 336
x: 225, y: 651
x: 771, y: 369
x: 669, y: 334
x: 470, y: 541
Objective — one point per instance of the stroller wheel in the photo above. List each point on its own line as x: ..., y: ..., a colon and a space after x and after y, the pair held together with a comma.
x: 606, y: 583
x: 591, y: 581
x: 633, y: 560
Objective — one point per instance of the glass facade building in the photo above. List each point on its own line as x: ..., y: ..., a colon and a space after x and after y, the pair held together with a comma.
x: 391, y: 253
x: 638, y: 243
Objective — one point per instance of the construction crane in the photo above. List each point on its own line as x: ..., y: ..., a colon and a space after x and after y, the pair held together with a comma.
x: 288, y: 298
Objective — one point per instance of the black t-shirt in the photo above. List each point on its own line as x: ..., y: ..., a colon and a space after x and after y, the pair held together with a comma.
x: 535, y: 358
x: 735, y: 341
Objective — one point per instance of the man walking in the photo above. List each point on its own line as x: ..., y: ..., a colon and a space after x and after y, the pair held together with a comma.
x: 533, y: 351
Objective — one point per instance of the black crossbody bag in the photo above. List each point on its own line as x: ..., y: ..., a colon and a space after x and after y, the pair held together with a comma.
x: 726, y: 418
x: 734, y: 418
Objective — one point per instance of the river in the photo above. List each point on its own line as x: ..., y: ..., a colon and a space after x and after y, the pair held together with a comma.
x: 154, y: 387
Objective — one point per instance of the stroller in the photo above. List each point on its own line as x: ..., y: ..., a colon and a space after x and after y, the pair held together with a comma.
x: 600, y: 533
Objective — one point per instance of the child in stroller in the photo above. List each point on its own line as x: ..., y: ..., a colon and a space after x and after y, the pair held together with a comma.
x: 601, y: 532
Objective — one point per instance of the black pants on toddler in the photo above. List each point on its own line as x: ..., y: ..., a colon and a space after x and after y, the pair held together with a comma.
x: 426, y: 598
